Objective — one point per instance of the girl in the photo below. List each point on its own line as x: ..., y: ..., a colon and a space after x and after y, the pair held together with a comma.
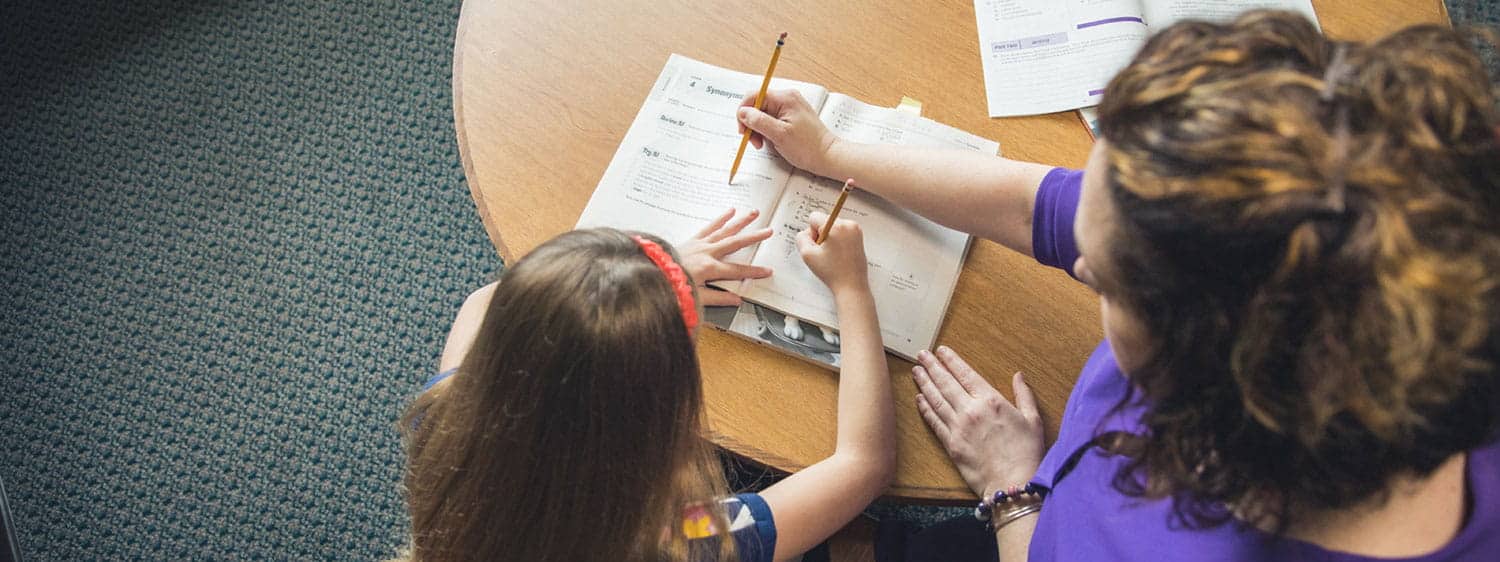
x: 1296, y: 249
x: 567, y: 426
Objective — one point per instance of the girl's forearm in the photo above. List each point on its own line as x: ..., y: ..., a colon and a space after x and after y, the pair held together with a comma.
x: 988, y: 196
x: 811, y: 504
x: 866, y: 407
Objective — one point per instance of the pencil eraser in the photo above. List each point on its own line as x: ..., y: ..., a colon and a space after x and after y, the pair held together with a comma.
x: 849, y: 181
x: 783, y: 36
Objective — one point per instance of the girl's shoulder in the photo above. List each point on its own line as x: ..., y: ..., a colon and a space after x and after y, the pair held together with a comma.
x: 440, y: 377
x: 751, y: 526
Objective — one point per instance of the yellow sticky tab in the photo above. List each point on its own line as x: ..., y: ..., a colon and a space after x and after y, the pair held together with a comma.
x: 909, y: 105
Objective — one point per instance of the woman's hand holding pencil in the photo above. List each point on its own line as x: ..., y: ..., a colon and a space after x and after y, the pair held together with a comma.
x: 789, y: 123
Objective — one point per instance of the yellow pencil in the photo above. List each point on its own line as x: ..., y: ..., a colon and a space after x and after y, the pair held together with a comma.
x: 760, y: 102
x: 837, y: 206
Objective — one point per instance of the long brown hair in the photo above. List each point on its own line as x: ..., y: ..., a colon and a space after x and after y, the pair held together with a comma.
x: 1315, y: 254
x: 571, y: 430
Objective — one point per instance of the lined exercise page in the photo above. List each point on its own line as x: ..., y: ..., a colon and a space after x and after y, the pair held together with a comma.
x: 1042, y: 56
x: 913, y: 262
x: 1161, y: 14
x: 669, y: 176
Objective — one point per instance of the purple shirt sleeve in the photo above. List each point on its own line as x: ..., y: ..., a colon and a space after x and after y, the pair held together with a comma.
x: 1052, y: 219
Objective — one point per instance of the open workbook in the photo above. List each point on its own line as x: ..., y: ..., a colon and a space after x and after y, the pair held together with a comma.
x: 669, y: 178
x: 1042, y: 56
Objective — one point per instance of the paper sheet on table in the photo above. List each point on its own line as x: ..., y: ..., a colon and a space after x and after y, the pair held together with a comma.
x: 1043, y: 56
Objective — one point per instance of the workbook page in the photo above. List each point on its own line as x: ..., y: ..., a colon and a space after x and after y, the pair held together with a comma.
x: 913, y: 262
x: 1161, y: 14
x: 670, y: 174
x: 1042, y: 56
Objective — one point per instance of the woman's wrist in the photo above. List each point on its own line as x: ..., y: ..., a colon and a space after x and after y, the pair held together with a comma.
x: 1009, y: 504
x: 833, y: 163
x: 1005, y: 522
x: 1003, y: 480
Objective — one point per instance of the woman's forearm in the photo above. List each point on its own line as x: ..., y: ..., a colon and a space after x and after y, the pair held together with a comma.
x: 987, y: 196
x: 1014, y: 539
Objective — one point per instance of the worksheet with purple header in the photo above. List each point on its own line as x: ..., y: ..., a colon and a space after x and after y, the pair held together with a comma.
x: 1043, y: 56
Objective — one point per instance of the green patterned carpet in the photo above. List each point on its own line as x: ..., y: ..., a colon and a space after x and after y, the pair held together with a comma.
x: 1479, y: 12
x: 233, y: 236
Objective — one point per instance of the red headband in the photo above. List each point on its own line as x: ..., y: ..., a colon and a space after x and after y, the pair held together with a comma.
x: 679, y: 280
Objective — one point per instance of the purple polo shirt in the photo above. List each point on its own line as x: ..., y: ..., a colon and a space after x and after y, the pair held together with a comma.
x: 1085, y: 518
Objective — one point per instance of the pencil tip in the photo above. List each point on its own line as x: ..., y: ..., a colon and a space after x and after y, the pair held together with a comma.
x: 781, y: 40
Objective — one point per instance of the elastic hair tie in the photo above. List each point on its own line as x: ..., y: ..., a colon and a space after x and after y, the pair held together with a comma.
x: 1334, y: 73
x: 676, y: 276
x: 1339, y: 156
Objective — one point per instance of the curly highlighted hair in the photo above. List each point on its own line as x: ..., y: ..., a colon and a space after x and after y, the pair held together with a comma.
x: 1315, y: 253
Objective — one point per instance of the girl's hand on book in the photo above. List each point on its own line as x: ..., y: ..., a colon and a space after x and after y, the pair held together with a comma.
x: 840, y: 260
x: 993, y: 442
x: 791, y: 125
x: 703, y: 256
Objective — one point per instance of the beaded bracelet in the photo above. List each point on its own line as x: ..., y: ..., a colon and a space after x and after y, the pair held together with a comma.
x: 987, y: 506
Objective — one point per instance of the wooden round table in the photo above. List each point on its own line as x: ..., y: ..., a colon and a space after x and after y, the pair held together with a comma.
x: 543, y: 92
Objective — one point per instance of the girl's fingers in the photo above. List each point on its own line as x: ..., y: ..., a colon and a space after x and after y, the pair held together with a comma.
x: 716, y: 224
x: 733, y: 227
x: 933, y: 396
x: 949, y: 388
x: 739, y: 271
x: 815, y: 222
x: 816, y: 219
x: 933, y: 421
x: 806, y: 239
x: 715, y: 297
x: 732, y: 244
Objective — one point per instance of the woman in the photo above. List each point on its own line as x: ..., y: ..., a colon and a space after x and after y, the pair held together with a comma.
x: 1296, y: 249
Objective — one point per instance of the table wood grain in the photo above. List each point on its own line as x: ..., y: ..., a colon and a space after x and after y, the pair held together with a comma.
x: 543, y: 92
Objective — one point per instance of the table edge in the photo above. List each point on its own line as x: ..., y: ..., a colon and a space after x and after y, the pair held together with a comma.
x: 908, y: 494
x: 462, y: 133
